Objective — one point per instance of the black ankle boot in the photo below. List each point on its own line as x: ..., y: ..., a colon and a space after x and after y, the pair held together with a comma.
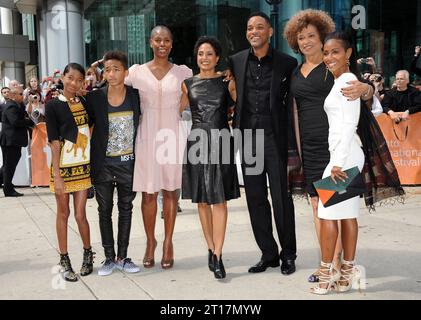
x: 210, y: 260
x: 88, y: 262
x: 67, y: 271
x: 219, y: 270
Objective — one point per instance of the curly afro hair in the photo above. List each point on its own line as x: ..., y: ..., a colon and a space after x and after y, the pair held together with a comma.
x: 320, y: 19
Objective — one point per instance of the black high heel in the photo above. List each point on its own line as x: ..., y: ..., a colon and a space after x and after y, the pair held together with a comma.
x: 219, y: 269
x: 210, y: 260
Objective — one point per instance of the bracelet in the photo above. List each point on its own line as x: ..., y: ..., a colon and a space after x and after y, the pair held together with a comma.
x: 368, y: 92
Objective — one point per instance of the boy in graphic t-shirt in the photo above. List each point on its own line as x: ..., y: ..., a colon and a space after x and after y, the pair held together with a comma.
x: 115, y: 112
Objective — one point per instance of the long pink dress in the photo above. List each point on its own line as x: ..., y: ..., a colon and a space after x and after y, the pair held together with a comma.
x: 161, y: 137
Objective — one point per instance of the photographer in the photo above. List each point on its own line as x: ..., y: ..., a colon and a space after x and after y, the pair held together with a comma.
x: 55, y: 87
x: 91, y: 79
x: 369, y: 62
x: 33, y: 85
x: 99, y: 67
x: 413, y: 68
x: 378, y: 81
x: 403, y: 101
x: 35, y: 108
x: 375, y: 102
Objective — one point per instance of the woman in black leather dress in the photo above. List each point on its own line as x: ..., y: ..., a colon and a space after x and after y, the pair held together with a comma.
x: 210, y: 175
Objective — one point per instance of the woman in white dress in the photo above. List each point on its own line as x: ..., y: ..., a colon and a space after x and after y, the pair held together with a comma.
x: 345, y: 153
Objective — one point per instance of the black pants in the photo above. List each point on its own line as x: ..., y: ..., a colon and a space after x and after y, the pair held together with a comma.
x: 11, y: 157
x: 121, y: 178
x: 260, y: 209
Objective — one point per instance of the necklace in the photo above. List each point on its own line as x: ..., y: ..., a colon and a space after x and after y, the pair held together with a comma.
x: 74, y: 100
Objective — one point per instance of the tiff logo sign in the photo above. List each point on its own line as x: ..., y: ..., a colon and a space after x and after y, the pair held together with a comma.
x: 58, y: 22
x: 359, y: 21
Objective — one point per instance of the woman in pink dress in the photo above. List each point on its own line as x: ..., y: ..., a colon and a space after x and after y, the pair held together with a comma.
x: 160, y: 140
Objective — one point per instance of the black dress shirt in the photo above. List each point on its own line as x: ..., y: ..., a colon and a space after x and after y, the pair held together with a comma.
x: 257, y: 113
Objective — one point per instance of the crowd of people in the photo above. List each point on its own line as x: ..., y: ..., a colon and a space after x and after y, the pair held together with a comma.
x: 118, y: 127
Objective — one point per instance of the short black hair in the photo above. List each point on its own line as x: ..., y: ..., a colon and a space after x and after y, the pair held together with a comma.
x: 260, y: 14
x: 119, y: 56
x: 74, y: 66
x: 216, y: 45
x: 345, y: 37
x: 4, y: 88
x: 164, y: 27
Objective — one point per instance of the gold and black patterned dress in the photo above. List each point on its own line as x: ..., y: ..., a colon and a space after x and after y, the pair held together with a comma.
x: 75, y: 166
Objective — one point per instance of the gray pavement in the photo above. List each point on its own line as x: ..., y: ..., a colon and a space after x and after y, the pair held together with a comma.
x: 389, y: 248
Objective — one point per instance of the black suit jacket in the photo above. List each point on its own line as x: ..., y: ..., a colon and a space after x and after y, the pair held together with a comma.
x: 97, y: 107
x: 280, y: 99
x: 2, y: 105
x: 15, y: 124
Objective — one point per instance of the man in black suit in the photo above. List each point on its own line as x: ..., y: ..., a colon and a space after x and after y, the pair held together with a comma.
x: 4, y: 97
x: 262, y: 78
x: 13, y: 136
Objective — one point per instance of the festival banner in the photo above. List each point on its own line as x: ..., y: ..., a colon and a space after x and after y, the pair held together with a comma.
x: 404, y: 141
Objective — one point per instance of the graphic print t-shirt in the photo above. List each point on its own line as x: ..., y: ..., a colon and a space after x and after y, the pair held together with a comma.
x: 121, y: 135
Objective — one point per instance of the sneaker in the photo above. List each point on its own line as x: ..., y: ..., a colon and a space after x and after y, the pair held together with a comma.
x: 107, y: 268
x: 127, y: 265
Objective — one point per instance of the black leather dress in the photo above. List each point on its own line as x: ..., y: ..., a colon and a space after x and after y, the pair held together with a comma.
x: 209, y: 172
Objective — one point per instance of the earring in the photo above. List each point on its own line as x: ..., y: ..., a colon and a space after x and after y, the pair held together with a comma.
x: 349, y: 63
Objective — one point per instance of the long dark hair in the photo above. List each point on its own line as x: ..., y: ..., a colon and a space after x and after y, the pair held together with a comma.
x: 346, y: 39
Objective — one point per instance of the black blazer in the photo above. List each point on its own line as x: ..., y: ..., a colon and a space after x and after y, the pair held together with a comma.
x: 280, y: 99
x: 97, y: 107
x: 60, y: 121
x: 15, y: 124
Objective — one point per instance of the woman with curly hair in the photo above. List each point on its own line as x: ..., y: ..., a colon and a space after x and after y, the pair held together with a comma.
x: 311, y: 83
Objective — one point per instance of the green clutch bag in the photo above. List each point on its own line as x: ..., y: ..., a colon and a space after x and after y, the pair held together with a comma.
x: 331, y: 193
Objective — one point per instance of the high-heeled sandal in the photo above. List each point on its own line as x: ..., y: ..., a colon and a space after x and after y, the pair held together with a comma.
x: 351, y: 276
x: 167, y: 263
x: 327, y: 279
x: 147, y: 261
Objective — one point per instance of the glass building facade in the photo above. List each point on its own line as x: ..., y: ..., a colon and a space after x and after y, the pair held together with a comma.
x: 393, y: 28
x: 126, y: 25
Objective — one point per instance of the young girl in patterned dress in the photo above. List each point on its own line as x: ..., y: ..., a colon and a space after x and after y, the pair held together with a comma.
x: 69, y: 137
